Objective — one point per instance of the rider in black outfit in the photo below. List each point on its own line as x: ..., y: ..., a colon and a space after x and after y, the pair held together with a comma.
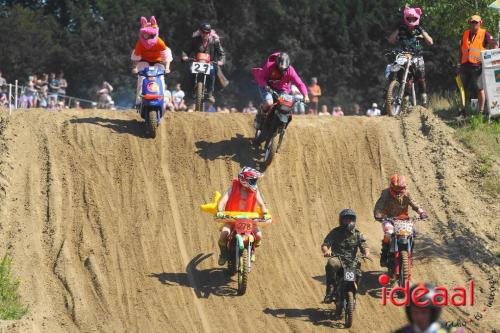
x: 206, y: 40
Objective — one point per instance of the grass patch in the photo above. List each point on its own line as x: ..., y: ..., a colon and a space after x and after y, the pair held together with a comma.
x: 10, y: 306
x: 481, y: 136
x: 484, y: 139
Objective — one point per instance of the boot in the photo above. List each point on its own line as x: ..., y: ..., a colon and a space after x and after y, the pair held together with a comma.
x: 259, y: 118
x: 383, y: 254
x: 257, y: 244
x: 222, y: 255
x: 423, y: 100
x: 329, y: 294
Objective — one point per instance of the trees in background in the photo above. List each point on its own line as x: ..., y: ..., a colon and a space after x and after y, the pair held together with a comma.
x: 341, y: 42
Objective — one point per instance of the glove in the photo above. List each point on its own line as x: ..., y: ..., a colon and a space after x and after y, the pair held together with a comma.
x: 267, y: 216
x: 219, y: 215
x: 423, y: 215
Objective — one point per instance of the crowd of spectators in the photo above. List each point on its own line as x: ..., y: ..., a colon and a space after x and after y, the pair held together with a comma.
x: 175, y: 101
x: 49, y: 91
x: 43, y: 91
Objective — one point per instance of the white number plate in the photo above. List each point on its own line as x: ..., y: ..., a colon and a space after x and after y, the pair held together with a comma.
x: 349, y: 275
x: 201, y: 68
x: 403, y: 227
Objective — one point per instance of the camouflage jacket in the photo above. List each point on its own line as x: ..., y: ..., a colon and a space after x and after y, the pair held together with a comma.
x: 345, y: 243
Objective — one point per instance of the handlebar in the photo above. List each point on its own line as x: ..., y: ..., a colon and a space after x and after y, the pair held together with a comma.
x: 344, y: 256
x: 276, y: 94
x: 193, y: 59
x: 392, y: 219
x: 260, y: 222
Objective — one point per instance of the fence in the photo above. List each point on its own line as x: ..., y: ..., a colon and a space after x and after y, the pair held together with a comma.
x: 15, y: 91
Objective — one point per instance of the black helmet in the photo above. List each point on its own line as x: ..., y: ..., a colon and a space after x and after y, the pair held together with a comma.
x: 205, y: 27
x: 283, y: 61
x: 347, y: 213
x: 435, y: 309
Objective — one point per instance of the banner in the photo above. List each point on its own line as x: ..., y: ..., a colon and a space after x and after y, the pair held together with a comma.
x: 491, y: 80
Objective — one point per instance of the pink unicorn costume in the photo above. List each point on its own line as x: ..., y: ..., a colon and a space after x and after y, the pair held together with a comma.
x: 150, y: 50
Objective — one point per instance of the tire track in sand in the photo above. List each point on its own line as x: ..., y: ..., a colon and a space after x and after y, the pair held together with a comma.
x: 172, y: 202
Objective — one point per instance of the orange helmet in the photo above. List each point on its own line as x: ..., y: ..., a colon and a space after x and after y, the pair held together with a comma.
x: 397, y: 185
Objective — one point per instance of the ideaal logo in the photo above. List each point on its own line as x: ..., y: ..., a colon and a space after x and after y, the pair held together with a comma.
x: 458, y: 296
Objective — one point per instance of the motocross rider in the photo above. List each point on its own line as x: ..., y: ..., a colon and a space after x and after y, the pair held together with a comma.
x: 393, y: 203
x: 425, y: 318
x: 241, y: 196
x: 407, y: 36
x: 150, y: 50
x: 343, y: 240
x: 276, y: 74
x: 206, y: 40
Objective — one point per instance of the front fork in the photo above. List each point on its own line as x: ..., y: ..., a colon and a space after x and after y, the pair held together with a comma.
x: 403, y: 82
x: 240, y: 245
x: 397, y: 266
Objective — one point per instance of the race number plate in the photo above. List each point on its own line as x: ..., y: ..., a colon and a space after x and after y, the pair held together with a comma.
x: 201, y: 68
x: 403, y: 227
x: 349, y: 275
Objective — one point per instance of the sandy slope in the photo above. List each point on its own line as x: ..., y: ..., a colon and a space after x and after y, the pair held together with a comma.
x: 106, y: 234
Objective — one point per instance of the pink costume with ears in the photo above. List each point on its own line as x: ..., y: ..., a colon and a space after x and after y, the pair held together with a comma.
x: 412, y: 12
x: 150, y: 49
x: 151, y: 29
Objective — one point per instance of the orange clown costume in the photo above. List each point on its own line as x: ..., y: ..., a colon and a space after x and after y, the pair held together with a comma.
x: 150, y: 50
x: 242, y: 196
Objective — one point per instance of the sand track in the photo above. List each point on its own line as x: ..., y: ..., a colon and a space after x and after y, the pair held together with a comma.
x: 106, y: 234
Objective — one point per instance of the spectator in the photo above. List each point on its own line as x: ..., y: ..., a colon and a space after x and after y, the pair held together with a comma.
x: 314, y: 93
x: 105, y: 100
x: 178, y: 98
x: 167, y: 98
x: 250, y: 108
x: 210, y: 107
x: 53, y: 90
x: 298, y: 107
x: 3, y: 82
x: 223, y: 109
x: 3, y: 91
x: 234, y: 110
x: 63, y: 85
x: 191, y: 108
x: 337, y: 111
x: 22, y: 100
x: 356, y: 110
x: 42, y: 86
x: 474, y: 40
x: 374, y: 111
x: 4, y: 102
x: 324, y: 111
x: 76, y: 105
x: 30, y: 92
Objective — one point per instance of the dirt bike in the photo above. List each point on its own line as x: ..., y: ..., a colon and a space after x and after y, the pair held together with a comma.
x: 399, y: 73
x: 151, y: 108
x: 201, y: 67
x: 240, y: 245
x: 346, y: 286
x: 272, y: 129
x: 400, y: 256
